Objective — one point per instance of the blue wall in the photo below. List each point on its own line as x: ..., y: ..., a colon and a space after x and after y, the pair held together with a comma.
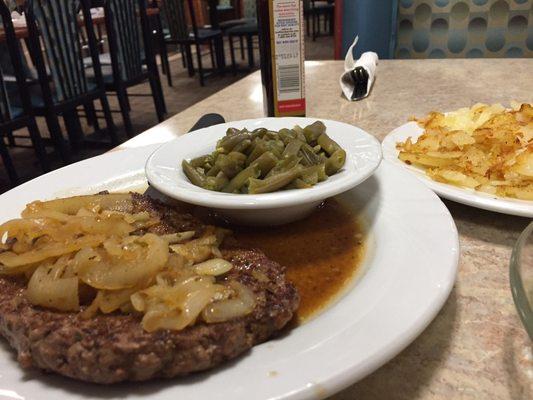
x: 375, y: 23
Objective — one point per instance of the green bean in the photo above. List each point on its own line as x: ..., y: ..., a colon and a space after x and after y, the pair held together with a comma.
x: 329, y: 145
x: 321, y: 169
x: 286, y: 135
x: 310, y: 175
x: 299, y: 133
x: 275, y: 182
x: 241, y: 179
x: 314, y: 174
x: 308, y: 155
x: 201, y: 161
x: 335, y: 162
x: 265, y: 162
x: 242, y: 146
x: 298, y: 184
x: 234, y: 131
x: 214, y: 155
x: 227, y: 143
x: 269, y: 135
x: 213, y: 171
x: 313, y: 131
x: 276, y: 146
x: 216, y: 182
x: 284, y: 165
x: 239, y: 158
x: 260, y: 148
x: 228, y: 165
x: 194, y: 176
x: 292, y: 148
x: 258, y: 133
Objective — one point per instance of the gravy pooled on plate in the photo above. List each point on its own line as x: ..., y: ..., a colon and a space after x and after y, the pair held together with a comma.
x: 321, y: 253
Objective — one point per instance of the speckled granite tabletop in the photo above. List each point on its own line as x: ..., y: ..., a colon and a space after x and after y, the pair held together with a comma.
x: 475, y: 348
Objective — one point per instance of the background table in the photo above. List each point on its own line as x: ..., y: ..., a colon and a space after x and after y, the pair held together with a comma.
x: 21, y: 31
x: 475, y: 348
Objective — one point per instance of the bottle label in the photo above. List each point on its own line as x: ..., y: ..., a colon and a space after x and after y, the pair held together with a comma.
x: 287, y: 44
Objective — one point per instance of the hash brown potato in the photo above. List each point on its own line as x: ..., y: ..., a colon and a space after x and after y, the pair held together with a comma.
x: 488, y: 148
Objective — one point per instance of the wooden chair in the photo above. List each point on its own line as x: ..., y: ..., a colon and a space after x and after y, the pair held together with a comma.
x: 249, y: 31
x: 14, y: 117
x: 64, y: 84
x: 175, y: 12
x: 132, y: 57
x: 240, y: 20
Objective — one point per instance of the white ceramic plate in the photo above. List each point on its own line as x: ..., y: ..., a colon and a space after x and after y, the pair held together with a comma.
x: 164, y: 172
x: 466, y: 196
x: 406, y: 277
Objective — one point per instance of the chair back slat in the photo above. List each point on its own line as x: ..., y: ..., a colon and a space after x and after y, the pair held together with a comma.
x: 57, y: 22
x: 74, y: 58
x: 124, y: 29
x: 175, y: 16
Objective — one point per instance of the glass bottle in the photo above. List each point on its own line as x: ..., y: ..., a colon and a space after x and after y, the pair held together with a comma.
x: 281, y: 45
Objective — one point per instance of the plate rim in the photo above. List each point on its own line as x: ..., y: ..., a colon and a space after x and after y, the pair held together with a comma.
x: 469, y: 197
x: 267, y: 200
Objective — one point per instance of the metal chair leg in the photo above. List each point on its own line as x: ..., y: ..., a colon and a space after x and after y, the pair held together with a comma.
x: 200, y: 68
x: 241, y: 40
x: 55, y: 133
x: 8, y: 163
x: 74, y: 130
x: 37, y: 142
x: 190, y: 65
x: 163, y: 53
x: 122, y: 97
x: 90, y: 114
x: 232, y: 54
x: 220, y: 54
x: 183, y: 59
x: 10, y: 138
x: 212, y: 54
x: 250, y: 44
x: 157, y: 95
x: 164, y: 60
x: 157, y: 90
x: 111, y: 128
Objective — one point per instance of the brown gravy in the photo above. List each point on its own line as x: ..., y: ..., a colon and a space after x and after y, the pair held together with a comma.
x: 321, y: 252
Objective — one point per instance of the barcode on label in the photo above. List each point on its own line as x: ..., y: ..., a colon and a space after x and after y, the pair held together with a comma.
x: 288, y: 78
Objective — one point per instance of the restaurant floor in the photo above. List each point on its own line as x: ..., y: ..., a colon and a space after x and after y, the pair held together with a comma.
x: 184, y: 93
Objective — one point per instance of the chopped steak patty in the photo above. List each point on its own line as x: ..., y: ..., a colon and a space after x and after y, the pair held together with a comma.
x: 114, y: 347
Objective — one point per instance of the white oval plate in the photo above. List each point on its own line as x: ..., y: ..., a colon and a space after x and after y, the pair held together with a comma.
x: 466, y: 196
x: 164, y: 172
x: 406, y: 277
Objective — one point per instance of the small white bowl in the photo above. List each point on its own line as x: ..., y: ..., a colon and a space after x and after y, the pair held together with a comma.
x: 164, y: 172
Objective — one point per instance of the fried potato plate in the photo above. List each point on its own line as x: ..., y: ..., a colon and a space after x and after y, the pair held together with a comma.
x: 486, y: 147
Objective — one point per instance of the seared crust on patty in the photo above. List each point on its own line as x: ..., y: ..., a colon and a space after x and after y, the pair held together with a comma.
x: 114, y: 347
